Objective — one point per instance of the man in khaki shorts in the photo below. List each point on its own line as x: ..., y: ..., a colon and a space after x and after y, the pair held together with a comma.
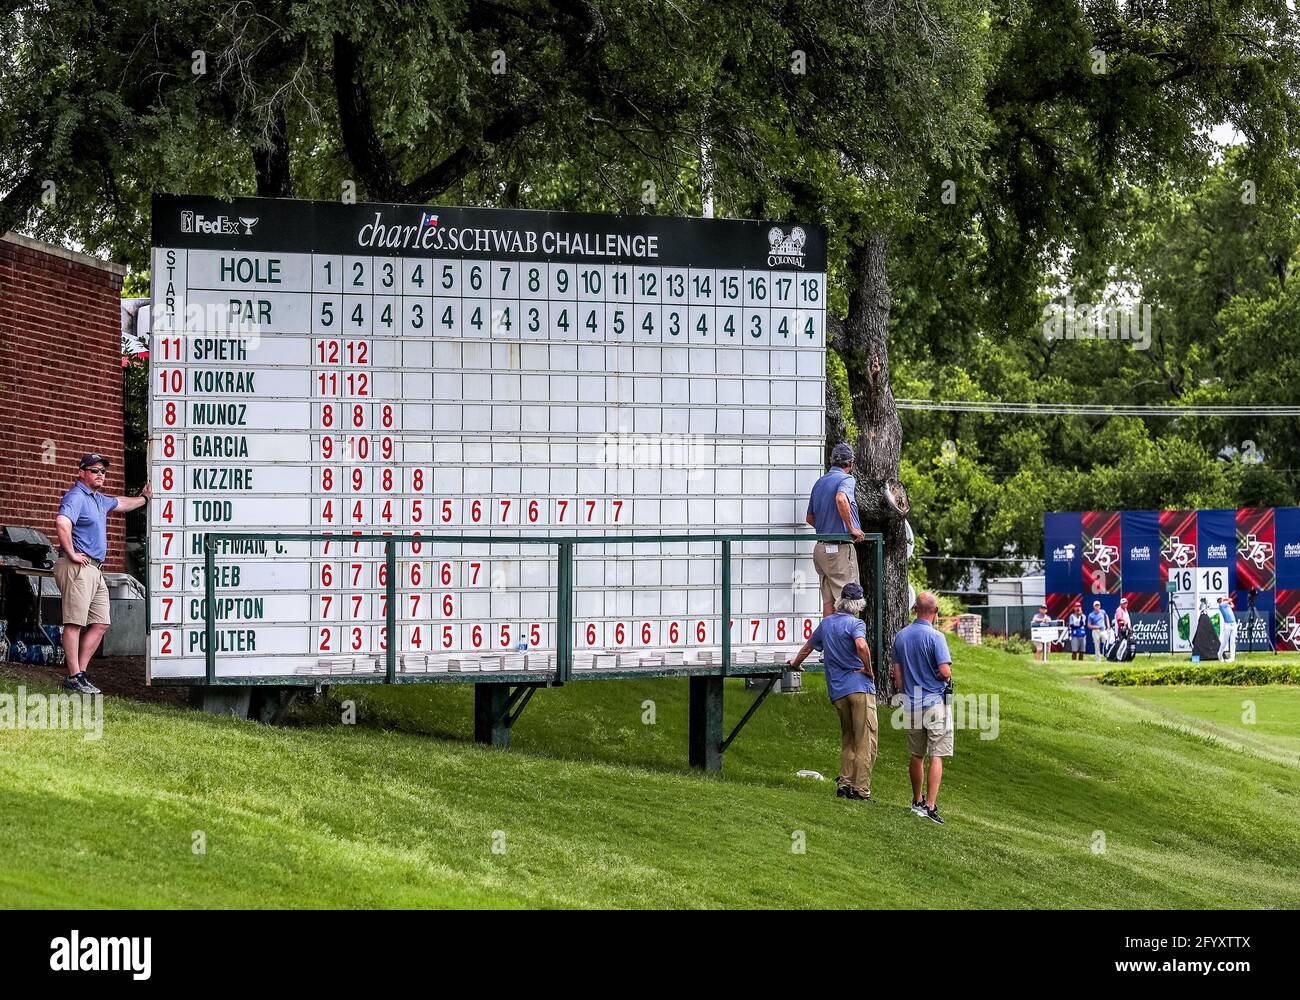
x: 833, y: 510
x: 923, y: 672
x: 82, y: 528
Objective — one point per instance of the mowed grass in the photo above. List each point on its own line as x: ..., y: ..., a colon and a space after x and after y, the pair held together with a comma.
x: 1090, y: 667
x: 1264, y: 717
x: 593, y: 807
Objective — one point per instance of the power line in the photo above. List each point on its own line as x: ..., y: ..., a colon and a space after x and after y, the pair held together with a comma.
x: 1095, y: 409
x: 992, y: 559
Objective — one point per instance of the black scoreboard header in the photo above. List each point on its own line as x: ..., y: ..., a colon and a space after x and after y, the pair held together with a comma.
x: 379, y: 229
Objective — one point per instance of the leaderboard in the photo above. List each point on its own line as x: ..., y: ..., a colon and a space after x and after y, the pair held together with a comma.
x: 338, y: 370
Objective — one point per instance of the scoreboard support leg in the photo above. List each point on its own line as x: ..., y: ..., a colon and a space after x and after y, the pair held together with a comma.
x: 261, y: 704
x: 705, y: 713
x: 222, y: 700
x: 497, y: 709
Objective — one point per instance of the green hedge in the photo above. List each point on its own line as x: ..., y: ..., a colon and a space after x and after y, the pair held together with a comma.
x: 1228, y: 673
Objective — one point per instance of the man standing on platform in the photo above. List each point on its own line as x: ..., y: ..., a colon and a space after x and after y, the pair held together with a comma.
x: 833, y: 510
x: 82, y: 529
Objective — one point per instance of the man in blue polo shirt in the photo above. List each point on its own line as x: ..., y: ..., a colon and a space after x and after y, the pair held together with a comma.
x: 82, y: 529
x: 1098, y: 625
x: 833, y: 510
x: 841, y: 638
x: 923, y: 672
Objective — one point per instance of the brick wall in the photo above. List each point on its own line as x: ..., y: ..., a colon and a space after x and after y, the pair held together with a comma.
x: 60, y: 380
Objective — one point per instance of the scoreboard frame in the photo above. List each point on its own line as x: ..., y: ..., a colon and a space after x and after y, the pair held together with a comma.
x: 396, y: 232
x: 564, y: 671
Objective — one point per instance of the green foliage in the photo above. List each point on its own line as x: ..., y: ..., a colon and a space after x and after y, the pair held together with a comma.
x: 1007, y: 166
x: 1254, y: 672
x: 1014, y: 644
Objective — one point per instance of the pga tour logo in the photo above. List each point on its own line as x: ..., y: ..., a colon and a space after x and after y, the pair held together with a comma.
x: 222, y: 225
x: 75, y: 953
x: 783, y: 250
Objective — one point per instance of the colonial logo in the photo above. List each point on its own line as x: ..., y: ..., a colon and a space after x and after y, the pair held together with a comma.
x: 1179, y: 553
x: 1103, y: 556
x: 1256, y: 551
x: 222, y: 225
x: 783, y: 250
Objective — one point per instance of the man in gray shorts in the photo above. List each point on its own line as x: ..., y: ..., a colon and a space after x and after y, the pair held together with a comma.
x: 923, y: 672
x: 82, y: 528
x: 833, y: 510
x: 1077, y: 626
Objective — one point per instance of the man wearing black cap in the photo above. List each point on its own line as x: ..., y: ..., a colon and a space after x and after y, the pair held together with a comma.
x: 833, y: 510
x: 842, y: 640
x: 82, y: 529
x: 1042, y: 618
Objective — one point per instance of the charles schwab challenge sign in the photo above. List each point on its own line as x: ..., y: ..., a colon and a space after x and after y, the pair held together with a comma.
x: 1150, y: 633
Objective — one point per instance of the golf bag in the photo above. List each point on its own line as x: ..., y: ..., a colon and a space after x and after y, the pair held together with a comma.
x: 1122, y: 650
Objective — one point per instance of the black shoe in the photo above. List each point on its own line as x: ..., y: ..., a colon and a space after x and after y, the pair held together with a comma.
x: 933, y: 815
x: 841, y: 791
x: 853, y: 793
x: 918, y: 807
x: 86, y: 686
x: 73, y: 684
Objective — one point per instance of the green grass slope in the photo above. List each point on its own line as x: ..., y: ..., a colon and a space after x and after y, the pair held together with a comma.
x: 593, y: 807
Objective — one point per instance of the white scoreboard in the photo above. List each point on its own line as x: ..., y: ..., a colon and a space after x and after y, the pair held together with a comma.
x: 342, y: 369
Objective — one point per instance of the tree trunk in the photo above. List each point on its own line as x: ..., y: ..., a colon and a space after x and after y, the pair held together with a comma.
x: 271, y: 159
x: 882, y: 499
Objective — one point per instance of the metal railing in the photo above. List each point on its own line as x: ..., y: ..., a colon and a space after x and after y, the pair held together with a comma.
x: 564, y: 586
